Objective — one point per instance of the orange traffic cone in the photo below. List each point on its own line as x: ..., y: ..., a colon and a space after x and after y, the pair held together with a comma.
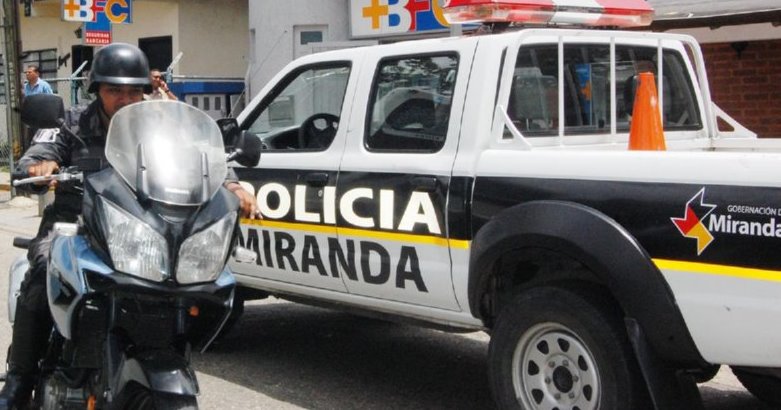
x: 646, y: 131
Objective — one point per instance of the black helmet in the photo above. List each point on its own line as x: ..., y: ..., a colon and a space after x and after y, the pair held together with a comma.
x: 119, y: 63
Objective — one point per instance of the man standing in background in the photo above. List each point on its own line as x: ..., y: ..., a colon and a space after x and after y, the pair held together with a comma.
x: 34, y: 83
x: 160, y: 90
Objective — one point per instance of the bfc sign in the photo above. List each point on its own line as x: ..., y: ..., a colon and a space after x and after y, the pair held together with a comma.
x: 86, y: 11
x: 97, y: 16
x: 376, y: 18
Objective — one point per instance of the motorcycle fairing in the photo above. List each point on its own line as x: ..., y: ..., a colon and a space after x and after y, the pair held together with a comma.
x: 66, y: 284
x: 174, y: 223
x: 157, y: 370
x: 76, y: 273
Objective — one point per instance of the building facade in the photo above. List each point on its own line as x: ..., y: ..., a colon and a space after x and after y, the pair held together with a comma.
x: 211, y: 35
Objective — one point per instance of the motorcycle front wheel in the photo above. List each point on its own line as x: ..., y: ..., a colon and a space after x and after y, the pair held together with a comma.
x: 137, y: 397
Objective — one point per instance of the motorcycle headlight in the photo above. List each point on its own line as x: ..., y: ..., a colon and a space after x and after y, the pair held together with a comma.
x: 135, y: 248
x: 202, y: 256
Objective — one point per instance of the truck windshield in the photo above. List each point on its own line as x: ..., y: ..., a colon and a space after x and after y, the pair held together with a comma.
x: 533, y: 105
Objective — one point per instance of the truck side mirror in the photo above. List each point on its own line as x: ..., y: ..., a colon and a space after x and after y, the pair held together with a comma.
x: 246, y: 151
x: 248, y: 146
x: 231, y: 133
x: 43, y: 111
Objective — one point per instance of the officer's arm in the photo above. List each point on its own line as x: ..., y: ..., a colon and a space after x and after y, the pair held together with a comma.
x: 47, y: 153
x: 248, y: 205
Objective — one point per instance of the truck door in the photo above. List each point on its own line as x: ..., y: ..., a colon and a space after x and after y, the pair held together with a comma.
x: 396, y: 172
x: 298, y: 121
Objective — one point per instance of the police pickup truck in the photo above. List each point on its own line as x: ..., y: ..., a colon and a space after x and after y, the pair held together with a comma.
x: 484, y: 182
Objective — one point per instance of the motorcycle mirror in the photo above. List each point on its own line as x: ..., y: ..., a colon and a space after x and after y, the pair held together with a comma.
x: 43, y: 111
x: 247, y: 149
x: 231, y: 133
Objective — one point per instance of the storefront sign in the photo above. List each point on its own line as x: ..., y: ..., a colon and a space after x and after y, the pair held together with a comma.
x: 116, y: 11
x: 98, y: 16
x: 379, y: 18
x: 98, y: 32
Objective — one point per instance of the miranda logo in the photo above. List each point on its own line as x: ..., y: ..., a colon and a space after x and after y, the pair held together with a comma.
x: 692, y: 224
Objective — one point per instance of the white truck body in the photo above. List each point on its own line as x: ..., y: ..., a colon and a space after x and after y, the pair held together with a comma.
x: 410, y: 219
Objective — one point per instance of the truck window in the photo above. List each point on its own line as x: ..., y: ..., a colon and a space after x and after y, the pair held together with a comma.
x: 303, y: 112
x: 410, y: 104
x: 533, y: 104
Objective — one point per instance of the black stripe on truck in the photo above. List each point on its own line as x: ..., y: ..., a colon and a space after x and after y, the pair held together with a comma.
x: 743, y: 223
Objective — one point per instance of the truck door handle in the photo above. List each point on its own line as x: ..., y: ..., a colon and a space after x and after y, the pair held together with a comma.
x: 425, y: 184
x: 317, y: 179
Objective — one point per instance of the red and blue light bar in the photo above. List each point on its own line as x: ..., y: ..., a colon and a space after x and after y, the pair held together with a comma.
x: 593, y: 13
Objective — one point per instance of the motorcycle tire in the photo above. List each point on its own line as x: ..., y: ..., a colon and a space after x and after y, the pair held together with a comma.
x: 137, y: 397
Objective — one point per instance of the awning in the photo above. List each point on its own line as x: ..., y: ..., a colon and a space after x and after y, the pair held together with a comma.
x: 670, y: 14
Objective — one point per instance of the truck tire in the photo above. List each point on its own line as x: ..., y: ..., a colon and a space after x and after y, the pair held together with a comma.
x: 560, y: 348
x: 763, y: 387
x: 706, y: 374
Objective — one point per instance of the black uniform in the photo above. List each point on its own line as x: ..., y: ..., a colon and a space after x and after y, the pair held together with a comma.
x: 65, y: 150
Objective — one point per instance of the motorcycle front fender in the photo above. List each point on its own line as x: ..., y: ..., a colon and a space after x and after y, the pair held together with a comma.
x: 159, y: 371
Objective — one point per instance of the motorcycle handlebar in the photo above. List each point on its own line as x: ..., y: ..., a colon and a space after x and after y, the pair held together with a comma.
x: 64, y: 176
x: 17, y: 174
x: 22, y: 243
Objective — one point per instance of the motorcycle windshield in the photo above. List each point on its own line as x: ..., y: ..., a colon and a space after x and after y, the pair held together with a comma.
x: 167, y: 151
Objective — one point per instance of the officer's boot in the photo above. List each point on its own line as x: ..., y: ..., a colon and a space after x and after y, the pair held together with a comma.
x: 30, y: 337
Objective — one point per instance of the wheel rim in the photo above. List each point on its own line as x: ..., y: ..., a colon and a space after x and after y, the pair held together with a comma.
x: 553, y: 368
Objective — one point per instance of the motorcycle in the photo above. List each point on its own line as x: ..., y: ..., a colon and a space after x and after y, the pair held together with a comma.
x: 141, y: 279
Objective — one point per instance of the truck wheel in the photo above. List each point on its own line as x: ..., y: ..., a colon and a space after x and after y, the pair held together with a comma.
x: 707, y: 374
x: 558, y: 348
x: 763, y: 387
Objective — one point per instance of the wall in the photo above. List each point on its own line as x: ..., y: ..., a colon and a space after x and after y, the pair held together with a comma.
x: 273, y: 22
x: 214, y: 37
x: 746, y: 32
x: 45, y: 30
x: 747, y: 87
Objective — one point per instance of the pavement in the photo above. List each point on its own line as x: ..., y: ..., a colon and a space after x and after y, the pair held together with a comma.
x: 18, y: 214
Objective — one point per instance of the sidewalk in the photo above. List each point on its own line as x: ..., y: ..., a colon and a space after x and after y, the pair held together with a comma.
x: 38, y: 201
x: 19, y: 216
x: 5, y: 181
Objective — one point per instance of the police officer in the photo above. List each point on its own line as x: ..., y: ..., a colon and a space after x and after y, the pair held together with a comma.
x: 119, y: 74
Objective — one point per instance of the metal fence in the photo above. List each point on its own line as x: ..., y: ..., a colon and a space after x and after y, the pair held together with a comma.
x: 6, y: 152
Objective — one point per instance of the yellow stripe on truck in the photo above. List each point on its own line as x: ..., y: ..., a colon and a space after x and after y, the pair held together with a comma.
x: 364, y: 233
x: 720, y: 270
